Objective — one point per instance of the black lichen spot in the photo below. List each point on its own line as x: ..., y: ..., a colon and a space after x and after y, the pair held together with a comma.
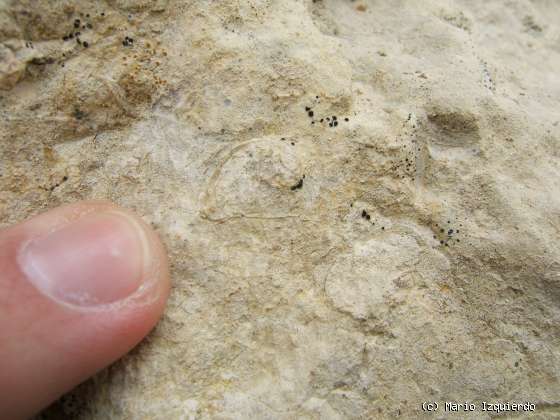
x: 128, y: 41
x: 310, y: 113
x: 77, y: 23
x: 346, y: 119
x: 450, y: 232
x: 299, y: 185
x: 85, y: 44
x: 78, y: 114
x: 64, y: 179
x: 307, y: 109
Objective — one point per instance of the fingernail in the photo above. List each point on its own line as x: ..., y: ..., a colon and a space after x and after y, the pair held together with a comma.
x: 98, y: 259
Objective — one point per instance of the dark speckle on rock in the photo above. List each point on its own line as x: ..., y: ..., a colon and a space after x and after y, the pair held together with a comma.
x: 299, y: 185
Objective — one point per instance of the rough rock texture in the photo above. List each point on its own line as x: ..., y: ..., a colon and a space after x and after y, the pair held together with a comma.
x: 321, y: 270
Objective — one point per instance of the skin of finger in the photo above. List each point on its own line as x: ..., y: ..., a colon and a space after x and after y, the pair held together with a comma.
x: 46, y: 348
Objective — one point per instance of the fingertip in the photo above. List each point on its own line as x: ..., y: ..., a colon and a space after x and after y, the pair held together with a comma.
x: 85, y: 283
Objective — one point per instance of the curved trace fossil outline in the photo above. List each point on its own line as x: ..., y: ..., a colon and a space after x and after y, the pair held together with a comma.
x: 209, y: 191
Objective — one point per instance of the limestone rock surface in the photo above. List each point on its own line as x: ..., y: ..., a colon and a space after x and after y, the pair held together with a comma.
x: 360, y: 199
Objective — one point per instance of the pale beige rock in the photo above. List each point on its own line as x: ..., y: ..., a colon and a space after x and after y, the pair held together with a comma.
x: 14, y: 57
x: 287, y: 302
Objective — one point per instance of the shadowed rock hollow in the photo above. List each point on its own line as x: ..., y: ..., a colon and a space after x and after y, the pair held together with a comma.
x: 360, y: 199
